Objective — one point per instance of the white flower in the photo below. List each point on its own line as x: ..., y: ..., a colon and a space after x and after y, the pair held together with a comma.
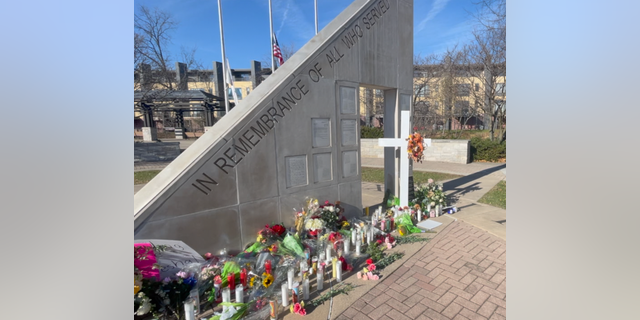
x: 314, y: 224
x: 329, y: 208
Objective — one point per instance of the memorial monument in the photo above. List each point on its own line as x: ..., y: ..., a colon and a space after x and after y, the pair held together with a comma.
x: 295, y: 136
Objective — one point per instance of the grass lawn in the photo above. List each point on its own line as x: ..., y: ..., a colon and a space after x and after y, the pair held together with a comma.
x: 497, y: 196
x: 142, y: 177
x: 419, y: 177
x: 368, y: 174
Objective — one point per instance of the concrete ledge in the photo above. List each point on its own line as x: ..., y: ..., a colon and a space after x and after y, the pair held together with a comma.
x: 155, y: 151
x: 443, y: 150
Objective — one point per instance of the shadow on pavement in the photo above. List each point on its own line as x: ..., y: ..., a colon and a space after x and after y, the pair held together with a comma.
x: 453, y: 184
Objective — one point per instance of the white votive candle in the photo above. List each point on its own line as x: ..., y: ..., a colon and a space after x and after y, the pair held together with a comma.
x: 290, y: 275
x: 189, y: 310
x: 239, y: 294
x: 320, y: 278
x: 328, y: 251
x: 305, y: 289
x: 339, y: 271
x: 347, y: 246
x: 353, y: 235
x: 358, y: 246
x: 285, y: 295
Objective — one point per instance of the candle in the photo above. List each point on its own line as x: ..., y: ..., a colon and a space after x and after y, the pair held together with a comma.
x: 328, y: 252
x: 314, y: 265
x: 347, y: 246
x: 285, y: 295
x: 319, y: 279
x: 333, y: 269
x: 226, y: 294
x: 383, y: 225
x: 367, y: 211
x: 243, y: 277
x: 240, y: 294
x: 322, y: 257
x: 369, y: 235
x: 273, y: 309
x: 358, y: 247
x: 393, y: 225
x: 305, y: 288
x: 295, y: 292
x: 218, y: 293
x: 419, y: 215
x: 339, y: 271
x: 290, y: 274
x: 231, y: 280
x: 189, y: 310
x: 353, y: 236
x: 362, y: 234
x: 303, y: 267
x: 226, y: 297
x: 267, y: 267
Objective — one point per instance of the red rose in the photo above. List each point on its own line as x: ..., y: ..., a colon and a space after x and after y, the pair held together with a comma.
x: 345, y: 266
x: 369, y: 261
x: 278, y: 229
x: 379, y: 241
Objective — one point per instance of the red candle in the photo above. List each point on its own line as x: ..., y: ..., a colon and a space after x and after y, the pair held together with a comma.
x: 243, y: 277
x: 393, y: 226
x: 231, y: 279
x: 267, y: 267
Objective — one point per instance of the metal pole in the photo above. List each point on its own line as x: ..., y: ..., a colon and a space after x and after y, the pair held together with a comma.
x: 315, y: 2
x: 273, y: 60
x: 224, y: 60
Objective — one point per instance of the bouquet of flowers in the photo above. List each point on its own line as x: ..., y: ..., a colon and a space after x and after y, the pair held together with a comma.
x: 330, y: 215
x: 415, y: 147
x: 430, y: 195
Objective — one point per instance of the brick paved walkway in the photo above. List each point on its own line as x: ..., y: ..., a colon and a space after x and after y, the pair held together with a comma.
x: 461, y: 274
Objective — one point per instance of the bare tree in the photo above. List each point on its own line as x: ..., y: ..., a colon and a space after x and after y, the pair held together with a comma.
x: 489, y: 50
x: 152, y: 35
x: 426, y: 75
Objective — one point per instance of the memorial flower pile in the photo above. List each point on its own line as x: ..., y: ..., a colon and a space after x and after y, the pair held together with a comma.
x: 430, y: 195
x: 279, y: 266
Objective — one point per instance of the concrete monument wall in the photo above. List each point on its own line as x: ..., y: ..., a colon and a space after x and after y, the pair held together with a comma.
x: 295, y: 136
x: 443, y: 150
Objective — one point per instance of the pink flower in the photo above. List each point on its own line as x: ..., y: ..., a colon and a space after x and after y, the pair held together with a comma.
x: 208, y: 255
x: 371, y: 267
x: 182, y: 275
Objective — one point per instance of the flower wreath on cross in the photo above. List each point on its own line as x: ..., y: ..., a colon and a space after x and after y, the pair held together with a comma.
x: 415, y: 147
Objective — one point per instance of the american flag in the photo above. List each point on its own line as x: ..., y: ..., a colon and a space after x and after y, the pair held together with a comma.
x: 276, y: 50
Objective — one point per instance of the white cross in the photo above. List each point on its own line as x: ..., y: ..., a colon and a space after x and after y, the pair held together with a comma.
x: 405, y: 131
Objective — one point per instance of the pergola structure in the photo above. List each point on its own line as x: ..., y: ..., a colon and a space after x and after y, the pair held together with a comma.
x: 177, y: 101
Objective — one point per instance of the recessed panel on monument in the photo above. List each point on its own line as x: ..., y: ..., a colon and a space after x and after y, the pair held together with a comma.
x: 295, y: 136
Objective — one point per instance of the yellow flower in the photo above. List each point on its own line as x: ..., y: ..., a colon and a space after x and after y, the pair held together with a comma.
x: 253, y: 279
x: 136, y: 286
x: 268, y: 280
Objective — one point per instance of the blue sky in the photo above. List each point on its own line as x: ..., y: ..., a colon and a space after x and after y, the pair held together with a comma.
x: 438, y: 25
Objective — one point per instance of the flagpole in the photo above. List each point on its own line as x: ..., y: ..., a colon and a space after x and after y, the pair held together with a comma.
x: 224, y: 61
x: 273, y: 60
x: 315, y: 2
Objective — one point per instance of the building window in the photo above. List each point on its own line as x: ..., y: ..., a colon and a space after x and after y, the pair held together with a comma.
x: 477, y: 86
x: 248, y: 90
x: 238, y: 93
x: 463, y: 89
x: 461, y: 108
x: 501, y: 90
x: 421, y: 91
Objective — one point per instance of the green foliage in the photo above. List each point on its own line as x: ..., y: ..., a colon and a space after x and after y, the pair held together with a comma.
x: 371, y: 132
x: 391, y: 258
x: 410, y: 239
x: 374, y: 251
x: 497, y: 196
x: 485, y: 149
x: 142, y: 177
